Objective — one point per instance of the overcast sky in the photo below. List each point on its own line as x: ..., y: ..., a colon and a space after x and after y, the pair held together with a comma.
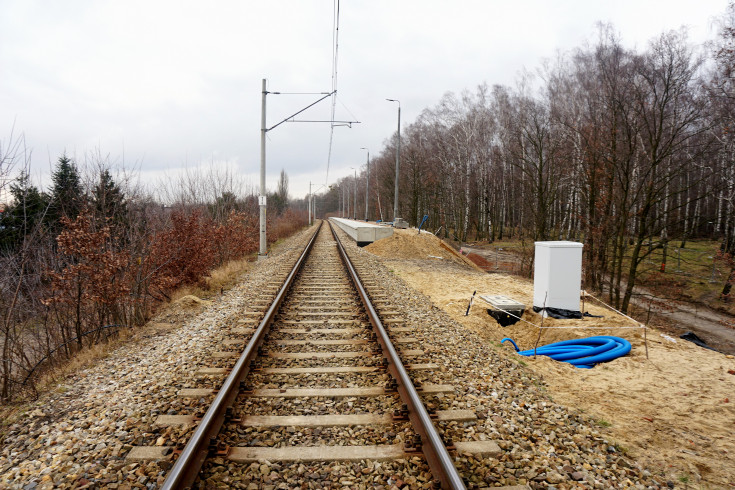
x: 167, y: 84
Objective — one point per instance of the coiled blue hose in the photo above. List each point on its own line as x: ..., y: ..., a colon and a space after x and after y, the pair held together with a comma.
x: 581, y: 353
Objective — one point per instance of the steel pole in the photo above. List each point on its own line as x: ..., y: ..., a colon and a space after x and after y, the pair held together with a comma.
x: 398, y: 165
x: 354, y: 205
x: 398, y: 161
x: 261, y: 198
x: 367, y: 184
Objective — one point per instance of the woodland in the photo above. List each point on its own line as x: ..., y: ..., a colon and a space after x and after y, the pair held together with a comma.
x: 628, y: 151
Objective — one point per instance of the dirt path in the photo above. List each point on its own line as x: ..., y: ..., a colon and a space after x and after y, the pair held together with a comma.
x: 715, y: 328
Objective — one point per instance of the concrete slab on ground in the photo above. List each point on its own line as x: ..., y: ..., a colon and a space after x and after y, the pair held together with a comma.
x: 362, y: 232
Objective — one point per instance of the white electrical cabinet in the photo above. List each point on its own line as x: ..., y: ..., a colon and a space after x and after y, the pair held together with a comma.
x: 557, y: 277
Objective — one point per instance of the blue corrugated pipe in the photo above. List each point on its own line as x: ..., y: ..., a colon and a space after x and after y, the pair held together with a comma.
x: 581, y: 353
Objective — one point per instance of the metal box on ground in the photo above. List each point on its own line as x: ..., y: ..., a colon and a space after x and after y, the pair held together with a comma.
x: 506, y: 311
x: 557, y: 278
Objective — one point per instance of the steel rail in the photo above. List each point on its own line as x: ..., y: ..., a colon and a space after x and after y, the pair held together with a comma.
x: 189, y: 463
x: 439, y: 460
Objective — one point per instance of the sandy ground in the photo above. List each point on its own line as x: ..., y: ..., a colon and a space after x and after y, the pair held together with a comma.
x: 672, y: 407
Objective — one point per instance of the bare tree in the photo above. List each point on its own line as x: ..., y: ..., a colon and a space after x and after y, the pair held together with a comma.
x: 11, y: 152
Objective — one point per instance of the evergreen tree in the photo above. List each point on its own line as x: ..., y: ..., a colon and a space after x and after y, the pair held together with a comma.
x: 67, y: 196
x: 223, y: 205
x: 27, y: 211
x: 108, y: 200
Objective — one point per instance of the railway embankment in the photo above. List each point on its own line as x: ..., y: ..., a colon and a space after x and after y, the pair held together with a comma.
x: 669, y: 404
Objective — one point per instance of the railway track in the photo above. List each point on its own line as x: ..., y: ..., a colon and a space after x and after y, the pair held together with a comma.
x: 319, y: 380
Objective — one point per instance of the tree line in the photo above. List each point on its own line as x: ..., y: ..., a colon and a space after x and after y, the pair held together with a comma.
x: 624, y: 150
x: 93, y: 253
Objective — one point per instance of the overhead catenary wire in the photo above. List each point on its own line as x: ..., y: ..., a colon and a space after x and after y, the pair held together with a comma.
x: 347, y: 109
x: 291, y: 117
x: 335, y: 54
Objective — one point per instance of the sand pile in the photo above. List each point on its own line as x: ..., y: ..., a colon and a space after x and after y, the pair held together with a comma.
x: 191, y: 301
x: 180, y: 309
x: 408, y: 244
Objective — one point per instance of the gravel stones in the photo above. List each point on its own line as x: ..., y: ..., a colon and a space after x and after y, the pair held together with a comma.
x: 411, y: 473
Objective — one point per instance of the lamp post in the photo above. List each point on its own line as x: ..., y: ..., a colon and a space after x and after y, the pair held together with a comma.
x: 312, y: 200
x: 398, y: 160
x: 354, y: 204
x: 367, y: 181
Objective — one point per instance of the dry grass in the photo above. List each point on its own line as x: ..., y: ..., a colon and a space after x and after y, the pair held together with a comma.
x: 85, y: 359
x: 219, y: 280
x: 228, y: 275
